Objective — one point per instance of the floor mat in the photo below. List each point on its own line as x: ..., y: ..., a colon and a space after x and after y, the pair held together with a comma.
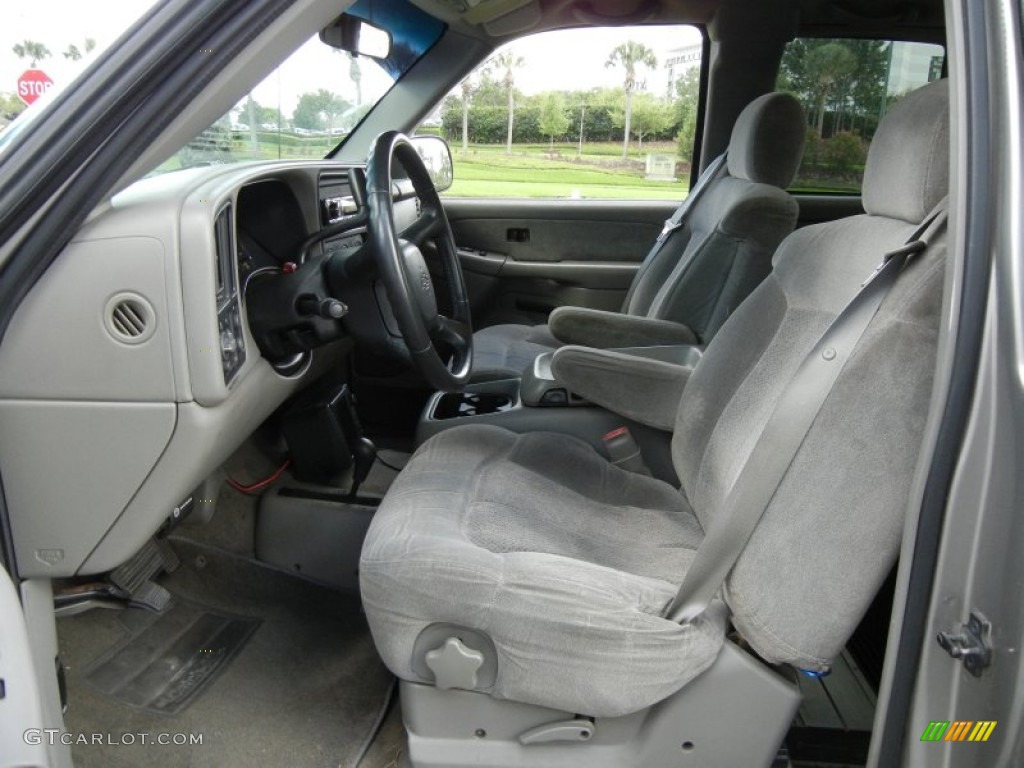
x: 166, y: 664
x: 306, y: 689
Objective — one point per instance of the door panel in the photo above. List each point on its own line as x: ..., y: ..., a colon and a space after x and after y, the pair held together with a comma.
x: 21, y: 709
x: 523, y: 258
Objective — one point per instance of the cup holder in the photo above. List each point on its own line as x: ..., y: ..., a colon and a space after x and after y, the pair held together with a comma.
x: 454, y: 405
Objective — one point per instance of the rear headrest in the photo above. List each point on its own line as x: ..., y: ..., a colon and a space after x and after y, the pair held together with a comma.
x: 907, y: 171
x: 768, y: 140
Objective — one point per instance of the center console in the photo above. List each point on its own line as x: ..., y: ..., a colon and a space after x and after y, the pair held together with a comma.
x: 539, y: 387
x: 539, y: 402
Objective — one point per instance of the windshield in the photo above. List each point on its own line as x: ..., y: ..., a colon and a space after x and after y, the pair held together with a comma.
x: 308, y: 106
x: 44, y: 46
x: 304, y: 109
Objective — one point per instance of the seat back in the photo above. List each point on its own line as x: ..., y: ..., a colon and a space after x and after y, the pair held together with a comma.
x: 724, y: 245
x: 832, y: 530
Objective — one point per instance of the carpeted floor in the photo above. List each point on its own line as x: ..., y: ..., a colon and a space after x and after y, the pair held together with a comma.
x: 305, y: 689
x: 389, y: 745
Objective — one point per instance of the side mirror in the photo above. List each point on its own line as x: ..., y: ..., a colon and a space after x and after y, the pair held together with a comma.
x: 358, y: 37
x: 437, y: 157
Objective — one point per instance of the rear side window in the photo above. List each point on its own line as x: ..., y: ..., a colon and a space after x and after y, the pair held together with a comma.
x: 846, y: 86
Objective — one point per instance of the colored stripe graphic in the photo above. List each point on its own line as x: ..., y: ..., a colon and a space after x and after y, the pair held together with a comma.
x: 982, y: 730
x: 959, y: 730
x: 935, y: 731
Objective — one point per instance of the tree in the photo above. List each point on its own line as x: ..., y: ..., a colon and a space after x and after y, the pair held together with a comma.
x: 553, y: 120
x: 332, y: 107
x: 10, y: 107
x: 355, y: 74
x: 255, y: 113
x: 828, y: 66
x: 686, y: 103
x: 467, y: 91
x: 252, y: 117
x: 848, y: 86
x: 31, y: 50
x: 74, y: 54
x: 316, y: 111
x: 270, y: 116
x: 509, y: 62
x: 630, y: 55
x: 650, y: 115
x: 871, y: 81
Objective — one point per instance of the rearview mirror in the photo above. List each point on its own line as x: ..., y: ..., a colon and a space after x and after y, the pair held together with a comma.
x: 358, y: 37
x: 437, y: 157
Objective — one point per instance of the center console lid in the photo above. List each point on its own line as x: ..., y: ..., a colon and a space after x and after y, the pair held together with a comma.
x: 540, y: 386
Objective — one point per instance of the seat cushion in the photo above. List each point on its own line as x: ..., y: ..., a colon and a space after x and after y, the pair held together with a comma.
x: 503, y: 351
x: 565, y: 561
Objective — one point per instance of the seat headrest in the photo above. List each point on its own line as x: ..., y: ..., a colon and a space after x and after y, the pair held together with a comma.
x: 768, y: 140
x: 907, y: 171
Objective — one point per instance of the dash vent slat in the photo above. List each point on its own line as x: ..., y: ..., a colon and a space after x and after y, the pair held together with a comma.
x: 129, y: 319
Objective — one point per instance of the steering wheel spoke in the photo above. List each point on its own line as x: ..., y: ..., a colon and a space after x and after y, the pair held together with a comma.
x: 457, y: 335
x: 452, y: 332
x: 427, y: 227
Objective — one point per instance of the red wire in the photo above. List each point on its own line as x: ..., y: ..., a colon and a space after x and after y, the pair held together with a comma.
x: 262, y: 483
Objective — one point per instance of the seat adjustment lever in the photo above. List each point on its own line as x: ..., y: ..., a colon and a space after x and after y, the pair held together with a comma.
x: 563, y: 730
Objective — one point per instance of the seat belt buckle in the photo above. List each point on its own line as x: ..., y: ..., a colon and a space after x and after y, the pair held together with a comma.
x: 624, y: 451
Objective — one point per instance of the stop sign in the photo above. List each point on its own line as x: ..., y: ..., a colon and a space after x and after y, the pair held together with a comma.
x: 32, y: 84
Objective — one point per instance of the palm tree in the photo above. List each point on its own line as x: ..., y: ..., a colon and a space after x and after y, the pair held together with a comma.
x: 74, y: 54
x: 508, y: 61
x: 467, y: 91
x: 831, y: 64
x: 31, y: 50
x: 355, y: 74
x: 630, y: 55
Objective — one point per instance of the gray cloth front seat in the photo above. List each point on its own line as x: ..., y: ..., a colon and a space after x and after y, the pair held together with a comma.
x: 567, y: 563
x: 721, y: 251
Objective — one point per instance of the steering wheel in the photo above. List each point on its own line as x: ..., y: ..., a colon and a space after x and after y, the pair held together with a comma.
x: 403, y: 269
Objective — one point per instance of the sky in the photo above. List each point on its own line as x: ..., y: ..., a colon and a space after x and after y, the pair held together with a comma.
x: 575, y: 58
x: 564, y: 60
x: 58, y: 24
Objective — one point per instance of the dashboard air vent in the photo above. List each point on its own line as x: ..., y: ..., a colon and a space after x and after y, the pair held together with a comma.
x: 129, y: 318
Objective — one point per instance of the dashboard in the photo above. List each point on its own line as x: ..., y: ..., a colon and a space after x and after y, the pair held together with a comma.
x: 132, y: 371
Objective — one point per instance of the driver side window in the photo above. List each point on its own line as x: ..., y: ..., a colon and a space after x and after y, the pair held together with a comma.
x: 580, y: 113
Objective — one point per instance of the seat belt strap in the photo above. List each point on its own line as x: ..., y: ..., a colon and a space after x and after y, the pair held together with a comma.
x: 786, y: 429
x: 712, y: 172
x: 716, y: 168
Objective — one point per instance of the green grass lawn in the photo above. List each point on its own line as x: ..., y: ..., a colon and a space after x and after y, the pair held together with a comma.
x: 532, y: 170
x: 535, y: 170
